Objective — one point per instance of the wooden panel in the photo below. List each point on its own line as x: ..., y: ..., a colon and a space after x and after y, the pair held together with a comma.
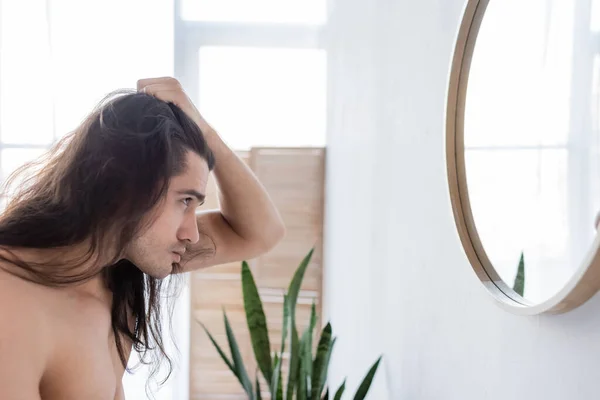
x: 294, y: 179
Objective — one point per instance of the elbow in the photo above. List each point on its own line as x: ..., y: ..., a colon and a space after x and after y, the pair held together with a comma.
x: 274, y: 235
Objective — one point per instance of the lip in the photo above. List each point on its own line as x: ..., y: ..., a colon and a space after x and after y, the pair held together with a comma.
x: 177, y: 257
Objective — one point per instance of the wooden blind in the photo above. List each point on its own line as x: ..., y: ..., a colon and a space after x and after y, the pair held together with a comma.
x: 294, y: 178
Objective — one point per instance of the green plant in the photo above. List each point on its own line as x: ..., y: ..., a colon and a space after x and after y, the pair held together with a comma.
x: 519, y: 284
x: 307, y: 372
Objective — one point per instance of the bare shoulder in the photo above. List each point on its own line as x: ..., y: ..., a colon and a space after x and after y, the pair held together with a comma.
x: 23, y: 344
x: 20, y: 310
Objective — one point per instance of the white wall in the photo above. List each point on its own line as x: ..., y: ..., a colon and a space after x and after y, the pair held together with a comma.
x: 397, y: 279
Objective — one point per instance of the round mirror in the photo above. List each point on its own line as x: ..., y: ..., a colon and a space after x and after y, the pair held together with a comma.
x: 523, y: 149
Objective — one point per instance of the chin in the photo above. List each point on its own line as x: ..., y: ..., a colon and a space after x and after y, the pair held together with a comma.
x: 164, y: 273
x: 160, y: 273
x: 160, y: 276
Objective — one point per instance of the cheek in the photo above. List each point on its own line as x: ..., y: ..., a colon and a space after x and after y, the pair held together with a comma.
x: 167, y: 224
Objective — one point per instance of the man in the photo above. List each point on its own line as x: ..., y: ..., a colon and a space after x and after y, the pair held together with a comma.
x: 86, y: 241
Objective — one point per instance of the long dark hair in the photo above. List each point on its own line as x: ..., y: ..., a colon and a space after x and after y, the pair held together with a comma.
x: 97, y: 187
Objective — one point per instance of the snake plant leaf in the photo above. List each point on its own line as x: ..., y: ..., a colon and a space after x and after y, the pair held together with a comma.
x: 294, y: 363
x: 340, y: 391
x: 519, y: 284
x: 321, y: 363
x: 279, y: 389
x: 366, y: 383
x: 280, y: 385
x: 275, y: 381
x: 286, y: 320
x: 305, y: 375
x: 326, y: 396
x: 258, y: 394
x: 307, y: 360
x: 238, y: 362
x: 220, y: 351
x: 327, y: 362
x: 312, y: 322
x: 293, y: 290
x: 257, y: 323
x: 276, y: 384
x: 305, y: 367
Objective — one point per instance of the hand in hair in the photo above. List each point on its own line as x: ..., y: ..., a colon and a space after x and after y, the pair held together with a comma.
x: 169, y: 89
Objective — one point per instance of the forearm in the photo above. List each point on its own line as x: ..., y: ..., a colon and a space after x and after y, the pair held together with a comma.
x: 244, y: 202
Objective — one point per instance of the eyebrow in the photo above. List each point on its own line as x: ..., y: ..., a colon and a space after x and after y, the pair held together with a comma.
x: 192, y: 192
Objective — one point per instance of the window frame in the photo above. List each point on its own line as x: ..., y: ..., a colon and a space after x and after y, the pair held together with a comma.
x: 189, y: 36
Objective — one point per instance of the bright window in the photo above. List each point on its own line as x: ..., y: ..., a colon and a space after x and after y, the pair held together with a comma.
x: 264, y: 96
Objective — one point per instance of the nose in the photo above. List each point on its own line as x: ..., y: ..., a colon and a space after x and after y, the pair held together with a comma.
x: 188, y: 231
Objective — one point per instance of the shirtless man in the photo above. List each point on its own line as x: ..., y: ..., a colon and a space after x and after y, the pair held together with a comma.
x: 87, y: 242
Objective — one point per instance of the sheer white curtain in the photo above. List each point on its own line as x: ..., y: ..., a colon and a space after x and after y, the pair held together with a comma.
x: 58, y: 58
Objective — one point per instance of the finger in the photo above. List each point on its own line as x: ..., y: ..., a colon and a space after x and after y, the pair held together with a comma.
x: 141, y: 83
x: 165, y: 92
x: 157, y: 87
x: 167, y: 80
x: 168, y: 94
x: 178, y: 97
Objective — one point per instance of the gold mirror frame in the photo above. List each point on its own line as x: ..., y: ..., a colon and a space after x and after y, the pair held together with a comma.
x: 585, y: 282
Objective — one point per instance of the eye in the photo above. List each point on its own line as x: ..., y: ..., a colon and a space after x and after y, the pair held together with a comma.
x: 187, y: 201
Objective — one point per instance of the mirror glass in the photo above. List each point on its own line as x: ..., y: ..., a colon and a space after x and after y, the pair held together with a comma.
x: 532, y: 141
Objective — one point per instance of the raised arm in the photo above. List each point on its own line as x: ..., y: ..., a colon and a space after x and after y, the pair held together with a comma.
x: 247, y: 223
